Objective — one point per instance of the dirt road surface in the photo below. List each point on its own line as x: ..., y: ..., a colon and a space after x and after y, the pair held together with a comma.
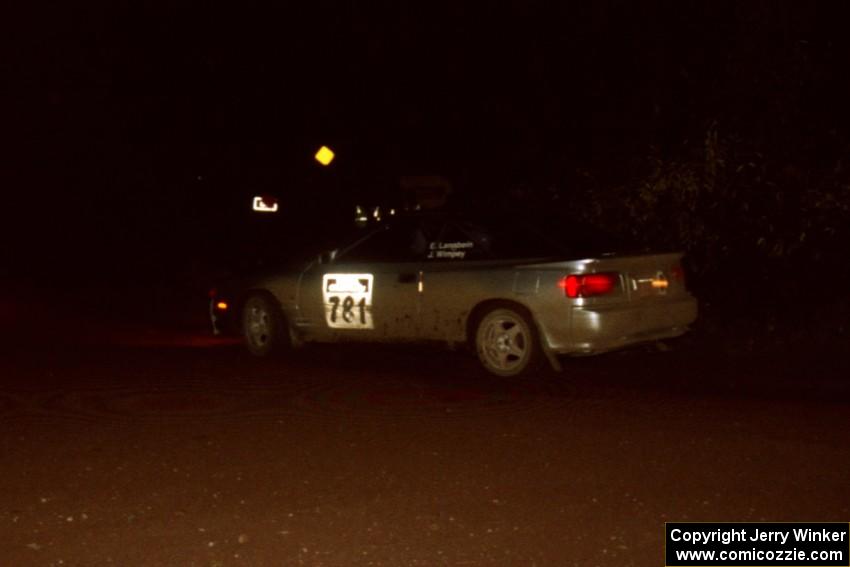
x: 192, y: 453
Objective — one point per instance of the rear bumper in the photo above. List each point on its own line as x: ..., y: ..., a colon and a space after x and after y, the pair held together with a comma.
x: 599, y: 329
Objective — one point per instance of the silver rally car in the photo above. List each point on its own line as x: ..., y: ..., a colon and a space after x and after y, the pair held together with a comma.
x: 519, y: 299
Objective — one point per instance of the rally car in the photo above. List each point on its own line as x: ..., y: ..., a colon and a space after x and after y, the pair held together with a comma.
x: 517, y: 298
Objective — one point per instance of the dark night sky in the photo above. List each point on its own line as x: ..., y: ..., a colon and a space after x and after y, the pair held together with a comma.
x: 118, y: 112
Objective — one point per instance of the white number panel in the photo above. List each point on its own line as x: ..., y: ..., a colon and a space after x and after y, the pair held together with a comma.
x: 348, y: 300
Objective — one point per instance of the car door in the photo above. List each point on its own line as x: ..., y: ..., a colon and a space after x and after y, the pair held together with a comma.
x: 367, y: 292
x: 456, y: 275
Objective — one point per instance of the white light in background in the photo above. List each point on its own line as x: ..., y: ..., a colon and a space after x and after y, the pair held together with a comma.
x: 360, y: 218
x: 265, y: 204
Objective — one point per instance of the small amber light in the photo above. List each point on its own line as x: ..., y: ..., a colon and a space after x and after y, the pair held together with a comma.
x: 222, y: 305
x: 660, y: 284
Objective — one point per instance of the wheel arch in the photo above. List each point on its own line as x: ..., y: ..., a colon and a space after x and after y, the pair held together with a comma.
x: 261, y: 292
x: 482, y: 307
x: 255, y: 291
x: 286, y: 337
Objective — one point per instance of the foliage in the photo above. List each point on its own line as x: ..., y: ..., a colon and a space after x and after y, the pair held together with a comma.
x: 752, y: 225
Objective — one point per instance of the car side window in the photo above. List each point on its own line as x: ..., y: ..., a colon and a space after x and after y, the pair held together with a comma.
x: 460, y: 241
x: 396, y: 243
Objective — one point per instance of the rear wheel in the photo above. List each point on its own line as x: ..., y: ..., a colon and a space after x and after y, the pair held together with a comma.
x: 263, y: 326
x: 506, y: 342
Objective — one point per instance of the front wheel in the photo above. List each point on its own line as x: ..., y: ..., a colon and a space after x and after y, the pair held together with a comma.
x: 506, y: 342
x: 263, y: 326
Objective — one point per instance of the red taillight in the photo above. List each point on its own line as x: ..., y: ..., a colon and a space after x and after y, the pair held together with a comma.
x: 598, y: 284
x: 571, y: 285
x: 212, y: 293
x: 589, y: 285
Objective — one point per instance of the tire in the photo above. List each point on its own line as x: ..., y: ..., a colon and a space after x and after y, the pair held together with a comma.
x: 264, y: 327
x: 507, y: 342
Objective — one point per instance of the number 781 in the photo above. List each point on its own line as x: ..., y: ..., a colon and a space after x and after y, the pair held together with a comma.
x: 347, y: 312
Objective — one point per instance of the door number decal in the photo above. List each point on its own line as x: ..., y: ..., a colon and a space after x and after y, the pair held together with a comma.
x: 348, y: 300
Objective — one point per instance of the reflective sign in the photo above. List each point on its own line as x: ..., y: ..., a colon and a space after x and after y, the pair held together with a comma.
x: 324, y: 156
x: 265, y: 204
x: 348, y: 300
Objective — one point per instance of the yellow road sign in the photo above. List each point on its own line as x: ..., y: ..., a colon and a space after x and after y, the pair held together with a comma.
x: 324, y: 156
